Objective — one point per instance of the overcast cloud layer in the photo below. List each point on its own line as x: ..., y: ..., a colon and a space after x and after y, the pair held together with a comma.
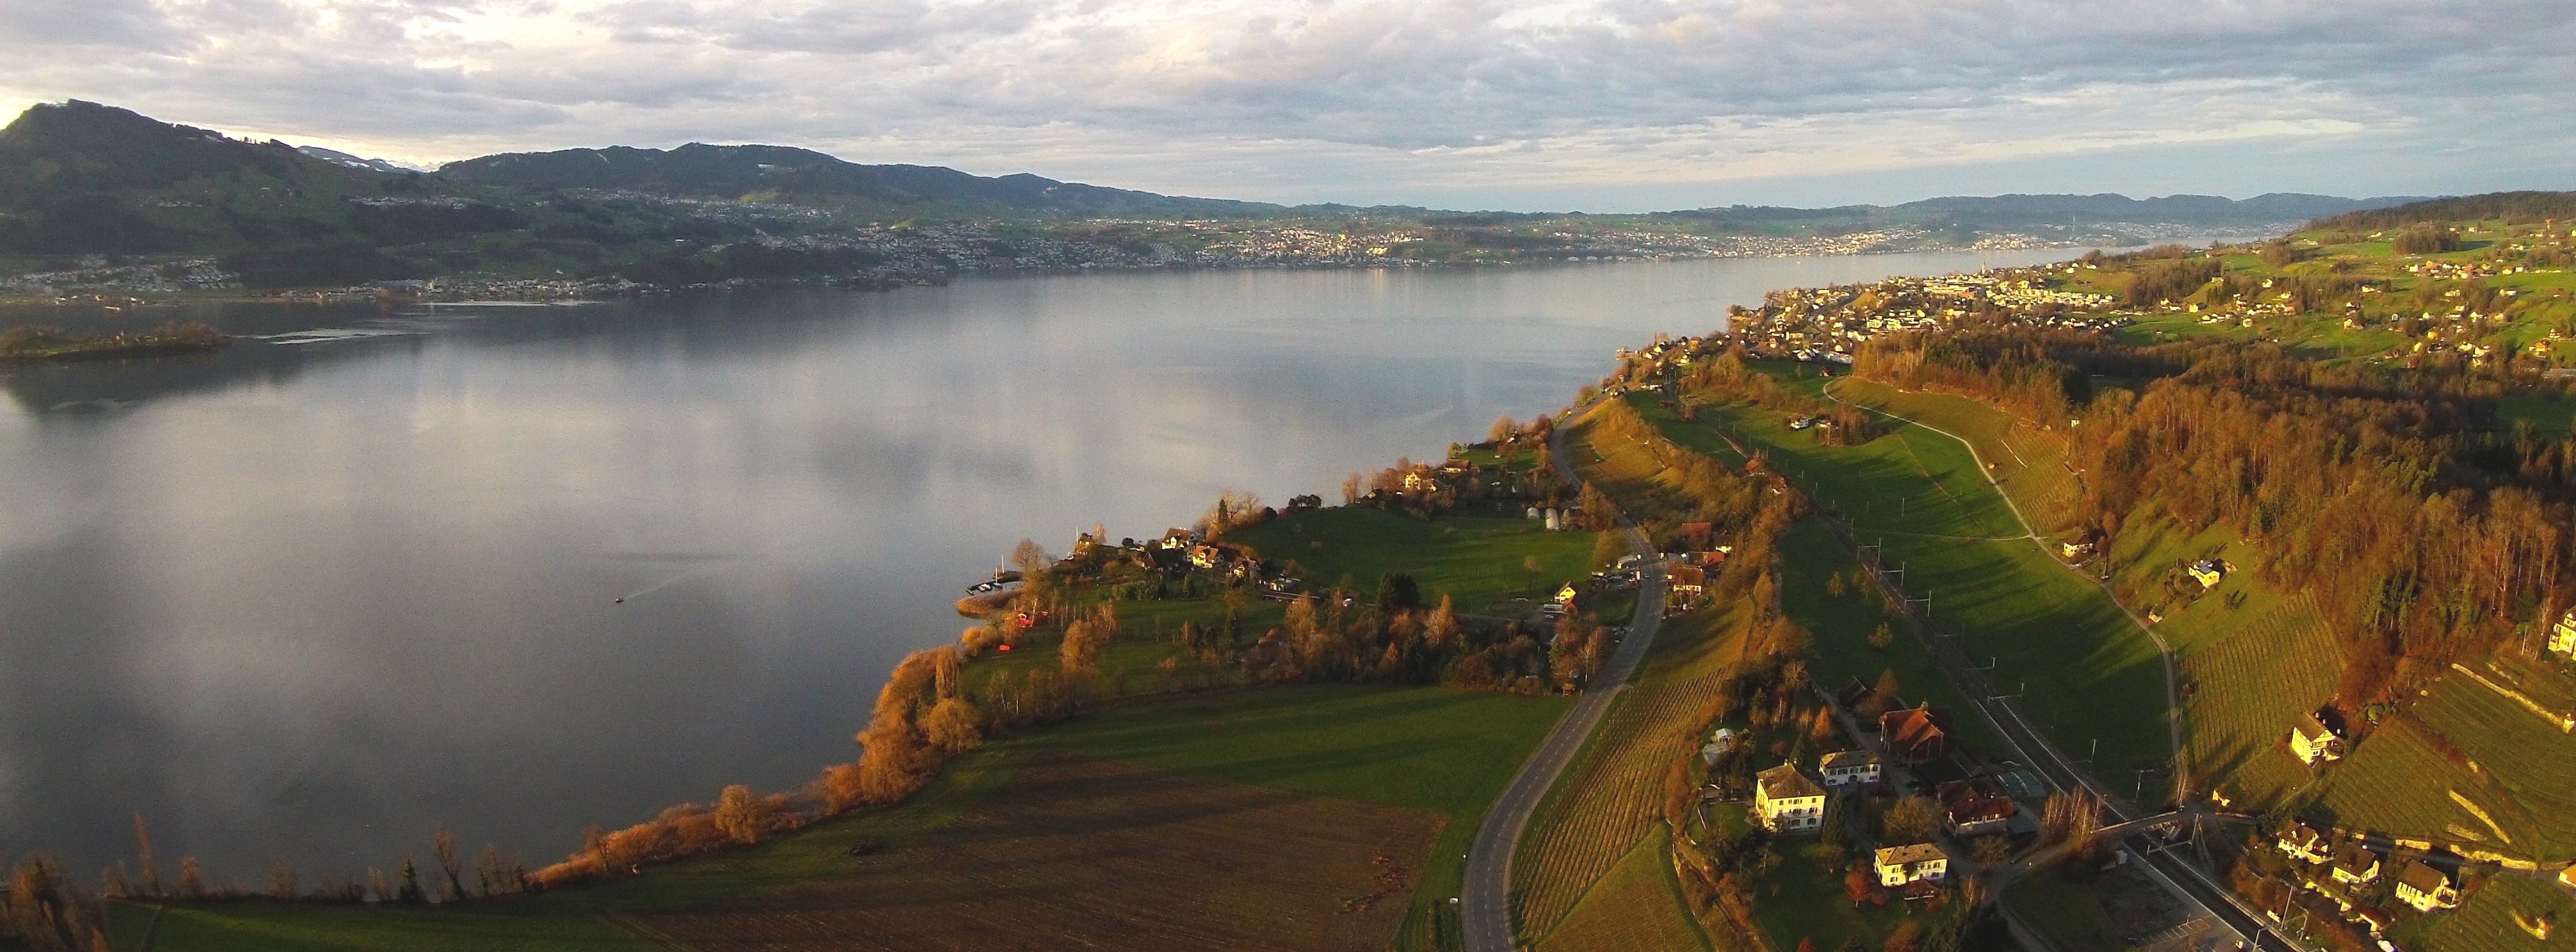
x: 1595, y: 104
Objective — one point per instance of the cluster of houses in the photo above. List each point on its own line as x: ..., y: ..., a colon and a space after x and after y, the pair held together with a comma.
x: 1182, y: 552
x: 1791, y: 798
x: 1829, y: 324
x: 2341, y: 869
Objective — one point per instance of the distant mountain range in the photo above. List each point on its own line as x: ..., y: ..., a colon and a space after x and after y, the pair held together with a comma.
x: 84, y: 178
x: 780, y: 173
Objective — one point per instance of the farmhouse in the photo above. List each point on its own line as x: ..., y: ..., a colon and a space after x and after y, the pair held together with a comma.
x: 2315, y: 737
x: 2426, y: 888
x: 1918, y: 862
x: 1914, y: 735
x: 1849, y: 767
x: 2356, y: 865
x: 2208, y: 572
x: 1784, y: 800
x: 2562, y: 636
x: 1974, y: 807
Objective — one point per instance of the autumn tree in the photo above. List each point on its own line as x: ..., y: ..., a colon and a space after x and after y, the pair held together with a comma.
x: 1079, y: 654
x: 43, y: 911
x: 1911, y: 820
x: 953, y: 726
x: 740, y: 815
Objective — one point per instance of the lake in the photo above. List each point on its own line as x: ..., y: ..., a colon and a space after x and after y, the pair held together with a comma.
x: 331, y: 588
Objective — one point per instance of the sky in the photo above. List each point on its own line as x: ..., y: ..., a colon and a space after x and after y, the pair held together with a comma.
x: 1594, y: 105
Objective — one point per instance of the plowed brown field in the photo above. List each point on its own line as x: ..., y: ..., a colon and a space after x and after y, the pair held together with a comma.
x: 1078, y: 853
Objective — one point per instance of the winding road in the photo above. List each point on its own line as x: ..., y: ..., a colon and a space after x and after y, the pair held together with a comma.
x: 1485, y: 899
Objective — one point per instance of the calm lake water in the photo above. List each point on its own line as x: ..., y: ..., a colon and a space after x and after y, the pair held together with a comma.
x: 323, y: 592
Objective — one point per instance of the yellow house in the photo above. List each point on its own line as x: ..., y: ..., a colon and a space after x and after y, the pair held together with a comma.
x: 1919, y: 862
x: 2562, y: 636
x: 2313, y: 741
x: 1784, y: 800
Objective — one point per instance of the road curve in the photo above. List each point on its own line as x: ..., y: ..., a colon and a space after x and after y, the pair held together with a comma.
x: 1485, y: 898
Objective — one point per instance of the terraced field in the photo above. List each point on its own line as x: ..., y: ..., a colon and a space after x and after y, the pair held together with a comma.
x: 1637, y: 905
x: 1610, y: 799
x: 2248, y: 690
x: 2533, y: 760
x: 2486, y: 922
x: 2399, y: 781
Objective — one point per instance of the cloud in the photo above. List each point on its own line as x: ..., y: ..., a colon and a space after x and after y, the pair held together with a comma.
x: 1323, y: 98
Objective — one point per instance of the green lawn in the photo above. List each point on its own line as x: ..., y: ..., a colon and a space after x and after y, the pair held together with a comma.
x: 2064, y: 912
x: 1804, y: 900
x: 1475, y: 560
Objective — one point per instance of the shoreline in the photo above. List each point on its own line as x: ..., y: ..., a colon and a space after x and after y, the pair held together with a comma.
x: 497, y: 291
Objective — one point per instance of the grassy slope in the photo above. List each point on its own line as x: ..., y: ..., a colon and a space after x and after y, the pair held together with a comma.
x: 1809, y: 555
x: 2028, y: 461
x: 2084, y: 670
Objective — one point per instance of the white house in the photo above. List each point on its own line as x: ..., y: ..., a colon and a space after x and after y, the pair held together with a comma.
x: 1849, y: 767
x: 2426, y: 888
x: 1919, y: 862
x: 1784, y: 800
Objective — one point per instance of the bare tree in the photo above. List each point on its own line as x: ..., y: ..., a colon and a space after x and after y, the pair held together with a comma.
x: 151, y: 865
x: 281, y: 879
x: 442, y: 844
